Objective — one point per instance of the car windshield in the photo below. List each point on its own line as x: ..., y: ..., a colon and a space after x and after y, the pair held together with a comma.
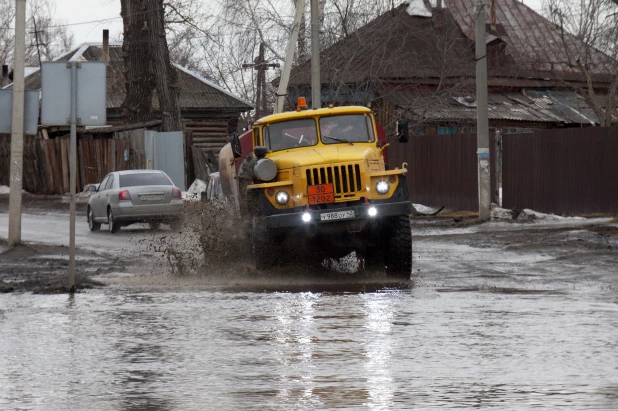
x: 144, y: 179
x: 348, y: 128
x: 290, y: 134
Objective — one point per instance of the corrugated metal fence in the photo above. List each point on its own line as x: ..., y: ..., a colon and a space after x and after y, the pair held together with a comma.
x: 442, y: 169
x: 568, y: 171
x: 562, y: 171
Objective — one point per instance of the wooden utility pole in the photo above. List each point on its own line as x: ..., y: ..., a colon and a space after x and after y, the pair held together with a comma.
x: 17, y: 128
x: 482, y: 123
x: 261, y: 65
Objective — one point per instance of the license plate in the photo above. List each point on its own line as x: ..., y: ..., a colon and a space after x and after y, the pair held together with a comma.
x: 319, y: 194
x: 151, y: 197
x: 337, y: 215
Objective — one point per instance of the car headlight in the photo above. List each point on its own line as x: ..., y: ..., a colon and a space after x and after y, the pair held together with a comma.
x: 282, y: 197
x: 382, y: 187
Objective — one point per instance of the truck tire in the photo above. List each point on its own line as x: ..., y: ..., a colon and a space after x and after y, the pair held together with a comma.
x: 264, y: 251
x: 398, y: 250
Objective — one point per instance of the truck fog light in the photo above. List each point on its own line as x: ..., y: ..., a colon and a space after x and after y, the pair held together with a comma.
x: 382, y: 187
x: 372, y: 211
x: 306, y: 217
x: 282, y: 197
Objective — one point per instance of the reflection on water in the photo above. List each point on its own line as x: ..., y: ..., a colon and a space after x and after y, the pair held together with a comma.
x: 387, y: 349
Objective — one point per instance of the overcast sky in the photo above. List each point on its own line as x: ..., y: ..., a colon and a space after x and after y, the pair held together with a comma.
x: 90, y: 12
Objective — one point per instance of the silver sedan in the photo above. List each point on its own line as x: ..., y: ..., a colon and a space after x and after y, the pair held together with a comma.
x: 135, y: 196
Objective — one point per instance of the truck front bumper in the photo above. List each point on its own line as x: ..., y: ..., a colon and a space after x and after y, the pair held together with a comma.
x: 361, y: 212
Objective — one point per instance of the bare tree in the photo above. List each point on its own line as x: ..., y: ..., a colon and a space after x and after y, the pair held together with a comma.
x: 46, y: 38
x: 166, y: 77
x: 139, y: 73
x: 589, y: 39
x: 148, y: 67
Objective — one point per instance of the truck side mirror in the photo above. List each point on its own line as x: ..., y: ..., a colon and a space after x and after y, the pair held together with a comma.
x: 403, y: 135
x: 236, y: 147
x: 260, y: 151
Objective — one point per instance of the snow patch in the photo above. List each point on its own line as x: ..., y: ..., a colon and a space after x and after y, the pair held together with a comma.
x: 418, y: 8
x: 424, y: 209
x: 4, y: 190
x: 499, y: 213
x: 195, y: 191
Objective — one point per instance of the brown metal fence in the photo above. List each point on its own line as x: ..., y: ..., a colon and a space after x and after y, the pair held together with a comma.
x: 442, y: 169
x: 562, y: 171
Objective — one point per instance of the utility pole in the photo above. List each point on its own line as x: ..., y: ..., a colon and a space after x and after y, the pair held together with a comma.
x: 17, y: 131
x: 260, y: 64
x: 316, y: 85
x: 482, y: 123
x: 72, y: 172
x: 282, y: 90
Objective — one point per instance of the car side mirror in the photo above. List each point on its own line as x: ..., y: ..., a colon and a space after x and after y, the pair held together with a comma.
x: 236, y: 147
x: 92, y: 188
x: 403, y: 135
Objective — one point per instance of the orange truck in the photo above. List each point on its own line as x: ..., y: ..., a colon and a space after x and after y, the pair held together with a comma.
x: 315, y: 186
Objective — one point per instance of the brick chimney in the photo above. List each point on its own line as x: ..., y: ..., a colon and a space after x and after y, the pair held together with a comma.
x: 492, y: 14
x: 4, y: 79
x: 106, y: 46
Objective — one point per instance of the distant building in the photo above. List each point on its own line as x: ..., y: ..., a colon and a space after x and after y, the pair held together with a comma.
x: 418, y: 61
x: 208, y: 110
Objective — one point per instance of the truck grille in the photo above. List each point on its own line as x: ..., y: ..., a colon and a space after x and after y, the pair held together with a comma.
x: 346, y: 179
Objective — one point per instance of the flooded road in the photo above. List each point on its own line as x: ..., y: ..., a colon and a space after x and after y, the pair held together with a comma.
x: 414, y: 346
x: 497, y: 315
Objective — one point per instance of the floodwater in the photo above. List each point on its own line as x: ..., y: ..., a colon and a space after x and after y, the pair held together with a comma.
x: 413, y: 346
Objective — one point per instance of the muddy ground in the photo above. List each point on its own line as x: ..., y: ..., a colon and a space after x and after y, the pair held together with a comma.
x: 447, y: 246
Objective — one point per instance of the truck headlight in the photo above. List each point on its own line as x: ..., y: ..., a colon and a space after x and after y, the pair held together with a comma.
x: 282, y: 197
x: 382, y: 187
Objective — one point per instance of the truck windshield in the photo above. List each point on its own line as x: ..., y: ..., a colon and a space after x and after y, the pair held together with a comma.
x: 290, y: 134
x: 348, y: 128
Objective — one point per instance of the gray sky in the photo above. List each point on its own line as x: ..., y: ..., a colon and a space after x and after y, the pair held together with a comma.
x: 90, y: 12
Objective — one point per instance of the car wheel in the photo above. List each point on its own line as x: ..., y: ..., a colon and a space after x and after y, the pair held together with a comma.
x: 113, y: 226
x: 92, y: 225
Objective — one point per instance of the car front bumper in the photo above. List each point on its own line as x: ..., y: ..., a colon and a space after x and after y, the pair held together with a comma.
x: 361, y: 212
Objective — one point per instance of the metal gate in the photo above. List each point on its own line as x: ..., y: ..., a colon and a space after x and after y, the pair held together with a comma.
x: 165, y: 151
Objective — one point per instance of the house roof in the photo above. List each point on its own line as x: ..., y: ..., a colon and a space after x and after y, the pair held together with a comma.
x: 531, y: 106
x: 395, y: 45
x: 416, y: 41
x: 196, y: 92
x: 529, y: 36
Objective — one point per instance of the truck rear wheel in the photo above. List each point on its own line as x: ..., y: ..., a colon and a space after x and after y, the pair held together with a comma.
x: 398, y: 250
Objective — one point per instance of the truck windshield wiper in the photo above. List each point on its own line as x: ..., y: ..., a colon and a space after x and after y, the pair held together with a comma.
x: 343, y: 140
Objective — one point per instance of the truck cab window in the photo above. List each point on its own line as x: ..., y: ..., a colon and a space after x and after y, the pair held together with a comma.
x: 351, y: 128
x: 291, y: 134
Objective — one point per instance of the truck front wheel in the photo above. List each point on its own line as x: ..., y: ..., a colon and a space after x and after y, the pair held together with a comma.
x: 264, y: 250
x: 398, y: 248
